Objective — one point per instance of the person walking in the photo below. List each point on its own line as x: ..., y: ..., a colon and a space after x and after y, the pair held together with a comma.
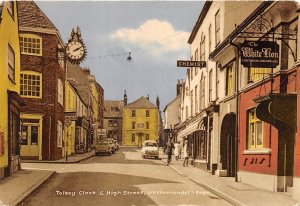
x: 179, y: 150
x: 185, y: 153
x: 169, y: 150
x: 176, y: 150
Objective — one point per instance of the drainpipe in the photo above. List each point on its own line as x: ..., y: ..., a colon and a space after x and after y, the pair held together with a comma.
x: 236, y: 138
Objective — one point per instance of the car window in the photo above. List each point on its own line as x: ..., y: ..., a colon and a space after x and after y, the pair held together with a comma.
x: 151, y: 144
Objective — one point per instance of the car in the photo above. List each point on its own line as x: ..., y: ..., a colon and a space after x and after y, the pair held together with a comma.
x: 102, y: 147
x: 150, y: 149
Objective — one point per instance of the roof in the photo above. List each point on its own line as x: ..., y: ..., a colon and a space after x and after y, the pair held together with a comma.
x: 30, y: 15
x: 199, y: 21
x: 176, y: 98
x: 141, y: 103
x: 108, y: 104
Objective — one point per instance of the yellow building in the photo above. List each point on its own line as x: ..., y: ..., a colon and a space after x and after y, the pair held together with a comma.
x: 71, y: 117
x: 140, y: 122
x: 10, y: 99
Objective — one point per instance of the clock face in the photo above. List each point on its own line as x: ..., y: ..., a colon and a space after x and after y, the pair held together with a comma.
x: 75, y: 50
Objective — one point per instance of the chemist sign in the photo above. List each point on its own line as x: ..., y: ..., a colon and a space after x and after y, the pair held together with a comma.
x: 263, y: 54
x: 184, y: 63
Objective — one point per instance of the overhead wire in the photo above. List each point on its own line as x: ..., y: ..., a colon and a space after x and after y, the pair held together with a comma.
x: 136, y: 50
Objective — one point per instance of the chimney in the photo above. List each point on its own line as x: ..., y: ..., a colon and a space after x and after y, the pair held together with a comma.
x: 86, y: 70
x: 178, y: 87
x: 148, y: 97
x: 125, y: 98
x: 157, y: 102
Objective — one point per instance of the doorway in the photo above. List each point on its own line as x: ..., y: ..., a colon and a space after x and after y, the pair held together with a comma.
x: 227, y: 145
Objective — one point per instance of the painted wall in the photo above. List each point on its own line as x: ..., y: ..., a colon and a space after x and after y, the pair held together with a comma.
x: 140, y: 118
x: 8, y: 35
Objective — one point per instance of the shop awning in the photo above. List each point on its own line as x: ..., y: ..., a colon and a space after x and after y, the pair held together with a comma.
x: 188, y: 130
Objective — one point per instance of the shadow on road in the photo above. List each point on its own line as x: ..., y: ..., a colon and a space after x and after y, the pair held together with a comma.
x: 104, y: 188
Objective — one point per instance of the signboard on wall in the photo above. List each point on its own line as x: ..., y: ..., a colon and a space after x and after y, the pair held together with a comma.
x: 183, y: 63
x: 261, y: 54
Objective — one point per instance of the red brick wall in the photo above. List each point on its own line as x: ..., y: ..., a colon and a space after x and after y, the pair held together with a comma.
x: 48, y: 65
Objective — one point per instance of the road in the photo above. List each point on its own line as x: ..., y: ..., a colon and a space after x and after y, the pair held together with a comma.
x: 121, y: 179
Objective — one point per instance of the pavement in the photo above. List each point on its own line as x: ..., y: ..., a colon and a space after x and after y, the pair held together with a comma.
x: 236, y: 193
x: 17, y: 187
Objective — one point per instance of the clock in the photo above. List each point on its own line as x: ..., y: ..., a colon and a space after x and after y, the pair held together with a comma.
x: 75, y: 51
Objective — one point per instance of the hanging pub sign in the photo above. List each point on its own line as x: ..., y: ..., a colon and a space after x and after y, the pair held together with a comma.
x: 262, y: 54
x: 183, y: 63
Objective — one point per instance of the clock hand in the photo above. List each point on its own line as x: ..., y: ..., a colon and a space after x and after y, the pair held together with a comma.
x: 77, y: 49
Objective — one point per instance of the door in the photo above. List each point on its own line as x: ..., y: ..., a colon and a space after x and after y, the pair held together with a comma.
x: 30, y: 140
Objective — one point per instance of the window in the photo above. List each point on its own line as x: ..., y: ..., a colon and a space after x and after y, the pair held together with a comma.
x: 59, y: 134
x: 196, y: 99
x: 255, y: 130
x: 191, y: 71
x: 217, y: 27
x: 210, y: 86
x: 202, y: 48
x: 133, y: 113
x: 31, y: 84
x: 11, y: 64
x: 192, y: 102
x: 132, y: 125
x: 202, y: 92
x: 186, y: 112
x: 147, y: 125
x: 147, y: 113
x: 196, y: 59
x: 31, y: 44
x: 61, y: 59
x: 112, y: 123
x: 133, y: 138
x: 60, y: 91
x: 255, y: 74
x: 209, y: 39
x: 147, y: 137
x: 114, y: 109
x: 229, y: 80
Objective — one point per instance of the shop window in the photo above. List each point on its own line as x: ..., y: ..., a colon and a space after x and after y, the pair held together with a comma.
x: 30, y: 44
x: 24, y: 137
x: 255, y: 131
x: 133, y: 138
x: 11, y: 63
x: 31, y: 84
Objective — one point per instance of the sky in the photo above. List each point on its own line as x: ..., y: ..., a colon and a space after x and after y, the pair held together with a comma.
x: 155, y: 32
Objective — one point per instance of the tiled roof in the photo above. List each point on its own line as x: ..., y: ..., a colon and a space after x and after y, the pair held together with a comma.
x: 141, y: 103
x: 108, y: 104
x: 30, y: 15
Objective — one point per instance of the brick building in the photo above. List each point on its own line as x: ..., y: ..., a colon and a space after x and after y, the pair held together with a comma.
x: 41, y: 84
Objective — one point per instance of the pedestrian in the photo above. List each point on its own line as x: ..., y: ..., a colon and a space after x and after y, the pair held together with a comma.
x: 185, y: 153
x: 169, y: 150
x: 179, y: 150
x: 176, y: 150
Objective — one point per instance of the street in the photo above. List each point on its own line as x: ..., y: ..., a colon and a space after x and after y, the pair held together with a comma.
x: 120, y: 179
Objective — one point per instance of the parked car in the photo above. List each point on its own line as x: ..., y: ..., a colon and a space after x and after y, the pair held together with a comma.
x: 102, y: 147
x: 150, y: 149
x: 116, y: 145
